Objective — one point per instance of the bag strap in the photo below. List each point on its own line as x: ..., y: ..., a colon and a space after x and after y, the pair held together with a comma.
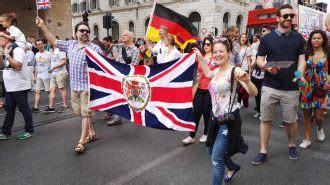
x: 231, y: 103
x: 242, y: 59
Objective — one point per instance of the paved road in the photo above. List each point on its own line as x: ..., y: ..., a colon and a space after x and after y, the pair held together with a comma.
x: 130, y: 154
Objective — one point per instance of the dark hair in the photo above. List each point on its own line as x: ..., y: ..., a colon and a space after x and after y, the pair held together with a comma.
x: 224, y: 40
x: 79, y: 24
x: 11, y: 17
x: 267, y: 27
x: 257, y: 35
x: 98, y: 42
x: 285, y: 6
x: 247, y: 40
x: 108, y: 39
x: 39, y: 40
x: 190, y: 46
x: 210, y: 39
x: 309, y: 46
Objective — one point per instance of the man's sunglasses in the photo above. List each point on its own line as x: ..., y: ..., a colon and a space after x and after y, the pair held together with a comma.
x: 84, y: 31
x: 286, y: 16
x: 207, y: 44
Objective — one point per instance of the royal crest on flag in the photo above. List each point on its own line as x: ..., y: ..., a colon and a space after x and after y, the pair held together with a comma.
x: 43, y: 4
x: 158, y: 96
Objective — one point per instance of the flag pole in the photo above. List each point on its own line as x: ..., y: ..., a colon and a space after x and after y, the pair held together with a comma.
x: 37, y: 8
x: 151, y: 16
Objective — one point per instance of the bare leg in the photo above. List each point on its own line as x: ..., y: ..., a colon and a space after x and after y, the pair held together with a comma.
x: 84, y: 129
x: 52, y: 96
x: 64, y: 96
x: 37, y: 99
x: 265, y: 128
x: 307, y: 123
x: 319, y: 118
x: 292, y: 130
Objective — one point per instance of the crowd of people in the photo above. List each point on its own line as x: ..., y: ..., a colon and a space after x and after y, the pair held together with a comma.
x: 279, y: 67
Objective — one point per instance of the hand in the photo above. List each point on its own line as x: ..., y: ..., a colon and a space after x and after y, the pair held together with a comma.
x: 39, y: 22
x: 7, y: 50
x: 241, y: 75
x: 198, y: 54
x: 273, y: 70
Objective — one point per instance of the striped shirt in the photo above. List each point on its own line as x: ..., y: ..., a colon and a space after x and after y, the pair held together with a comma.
x: 77, y: 62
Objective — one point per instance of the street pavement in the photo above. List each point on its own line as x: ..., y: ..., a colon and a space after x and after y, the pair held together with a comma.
x: 131, y: 154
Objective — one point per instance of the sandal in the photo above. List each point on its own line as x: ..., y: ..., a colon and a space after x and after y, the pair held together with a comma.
x: 90, y: 139
x: 79, y: 148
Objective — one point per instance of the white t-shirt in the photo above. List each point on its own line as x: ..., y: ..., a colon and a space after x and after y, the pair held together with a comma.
x: 170, y: 56
x: 29, y: 59
x: 56, y: 58
x: 17, y: 80
x: 20, y: 39
x: 243, y: 54
x: 160, y: 49
x: 43, y: 64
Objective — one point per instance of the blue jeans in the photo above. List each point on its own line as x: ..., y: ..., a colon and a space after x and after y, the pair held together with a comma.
x: 20, y: 99
x: 220, y: 157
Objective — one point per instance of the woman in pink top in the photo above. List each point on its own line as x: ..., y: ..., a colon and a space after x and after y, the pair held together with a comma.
x: 202, y: 99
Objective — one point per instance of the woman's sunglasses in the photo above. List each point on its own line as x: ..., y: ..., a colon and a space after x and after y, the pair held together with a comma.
x: 286, y: 16
x: 207, y: 44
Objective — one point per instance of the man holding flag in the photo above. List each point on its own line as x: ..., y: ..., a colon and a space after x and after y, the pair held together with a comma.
x: 75, y: 50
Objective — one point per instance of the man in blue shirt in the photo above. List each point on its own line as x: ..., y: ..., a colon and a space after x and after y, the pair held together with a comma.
x: 280, y: 45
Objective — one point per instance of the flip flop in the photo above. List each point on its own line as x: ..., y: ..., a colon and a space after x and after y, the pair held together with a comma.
x: 79, y: 148
x: 90, y: 139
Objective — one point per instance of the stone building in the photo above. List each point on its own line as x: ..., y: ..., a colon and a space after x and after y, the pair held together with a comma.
x: 213, y: 15
x: 58, y: 18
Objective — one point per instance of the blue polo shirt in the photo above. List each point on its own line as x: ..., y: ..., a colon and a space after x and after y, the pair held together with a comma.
x: 279, y: 46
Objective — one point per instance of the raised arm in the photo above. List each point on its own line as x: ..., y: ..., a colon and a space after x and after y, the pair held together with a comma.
x: 206, y: 70
x: 49, y: 36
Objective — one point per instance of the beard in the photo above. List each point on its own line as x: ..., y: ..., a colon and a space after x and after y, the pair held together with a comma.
x: 283, y: 25
x: 84, y: 38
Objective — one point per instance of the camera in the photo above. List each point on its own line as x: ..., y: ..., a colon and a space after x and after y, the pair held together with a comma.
x: 227, y: 117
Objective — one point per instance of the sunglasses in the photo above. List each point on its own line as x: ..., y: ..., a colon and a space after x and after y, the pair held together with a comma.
x: 286, y: 16
x: 84, y: 31
x: 207, y: 44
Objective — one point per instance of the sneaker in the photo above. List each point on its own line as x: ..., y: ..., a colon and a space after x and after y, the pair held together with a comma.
x: 257, y: 115
x: 114, y: 122
x: 281, y: 125
x: 320, y: 134
x: 25, y: 135
x: 293, y: 154
x: 49, y: 110
x: 259, y: 159
x: 188, y: 140
x: 305, y: 144
x: 64, y: 109
x: 203, y: 139
x: 35, y: 110
x: 4, y: 136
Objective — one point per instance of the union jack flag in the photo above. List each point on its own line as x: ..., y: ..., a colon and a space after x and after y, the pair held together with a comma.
x: 43, y: 4
x: 158, y: 96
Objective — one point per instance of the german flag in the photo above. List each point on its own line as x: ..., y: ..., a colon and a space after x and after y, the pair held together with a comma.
x: 178, y: 25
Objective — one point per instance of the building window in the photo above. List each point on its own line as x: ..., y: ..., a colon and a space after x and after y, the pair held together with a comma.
x: 131, y: 26
x: 94, y: 4
x: 128, y: 2
x: 114, y: 2
x: 146, y: 24
x: 83, y: 6
x: 96, y: 31
x: 74, y: 8
x: 225, y: 21
x: 239, y: 23
x: 115, y: 30
x: 195, y: 18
